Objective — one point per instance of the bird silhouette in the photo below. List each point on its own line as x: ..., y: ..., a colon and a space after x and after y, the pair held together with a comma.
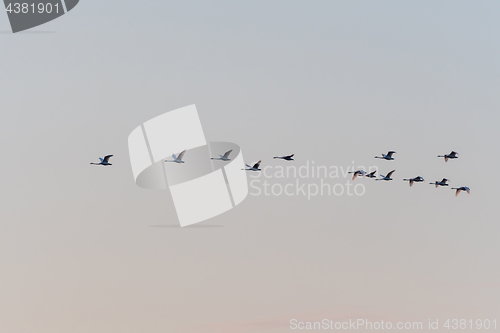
x: 451, y: 155
x: 224, y: 157
x: 104, y: 161
x: 441, y: 183
x: 459, y: 189
x: 178, y: 158
x: 387, y: 177
x: 413, y: 180
x: 287, y: 157
x: 387, y: 156
x: 255, y: 167
x: 356, y: 173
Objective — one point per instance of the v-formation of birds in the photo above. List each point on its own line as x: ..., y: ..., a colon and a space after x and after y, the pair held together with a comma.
x: 389, y: 156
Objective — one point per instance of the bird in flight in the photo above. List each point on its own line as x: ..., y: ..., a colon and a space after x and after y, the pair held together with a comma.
x: 387, y: 177
x: 441, y: 183
x: 451, y: 155
x: 387, y: 156
x: 104, y: 161
x: 459, y: 189
x: 287, y: 157
x: 255, y: 167
x: 413, y: 180
x: 224, y: 157
x: 371, y: 174
x: 356, y: 173
x: 178, y: 158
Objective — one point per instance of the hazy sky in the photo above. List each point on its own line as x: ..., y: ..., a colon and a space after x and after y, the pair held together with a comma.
x: 83, y: 249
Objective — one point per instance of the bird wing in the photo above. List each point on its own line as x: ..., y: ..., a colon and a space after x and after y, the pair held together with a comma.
x: 256, y: 165
x: 106, y: 158
x: 390, y: 174
x: 181, y: 154
x: 226, y: 154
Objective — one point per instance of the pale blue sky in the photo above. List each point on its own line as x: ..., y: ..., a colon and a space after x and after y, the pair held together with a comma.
x: 331, y: 81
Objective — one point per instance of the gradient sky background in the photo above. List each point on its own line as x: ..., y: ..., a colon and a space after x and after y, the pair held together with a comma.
x: 83, y: 249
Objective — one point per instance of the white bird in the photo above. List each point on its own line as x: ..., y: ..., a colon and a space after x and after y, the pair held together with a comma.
x: 104, y: 161
x: 441, y: 183
x: 451, y: 155
x: 371, y: 174
x: 224, y: 157
x: 387, y: 177
x: 388, y: 156
x: 255, y: 167
x: 358, y: 173
x: 178, y: 158
x: 463, y: 188
x: 413, y: 180
x: 287, y: 157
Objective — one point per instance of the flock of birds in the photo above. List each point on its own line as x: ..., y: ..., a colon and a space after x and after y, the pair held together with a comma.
x: 362, y: 173
x: 418, y: 179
